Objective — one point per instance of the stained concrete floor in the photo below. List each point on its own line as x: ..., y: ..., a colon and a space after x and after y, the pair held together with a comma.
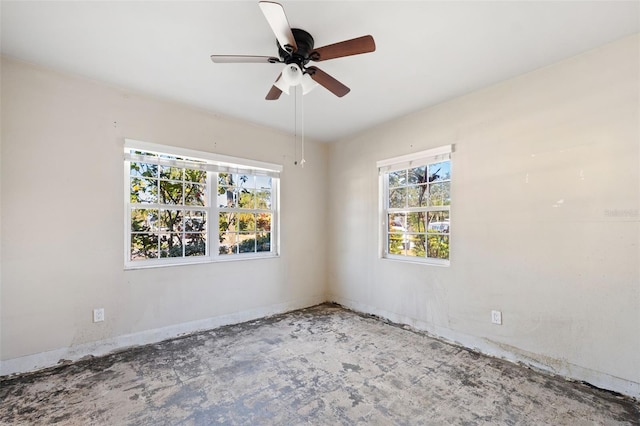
x: 323, y: 365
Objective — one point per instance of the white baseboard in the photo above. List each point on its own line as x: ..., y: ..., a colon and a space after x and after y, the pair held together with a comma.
x: 495, y: 349
x: 54, y: 357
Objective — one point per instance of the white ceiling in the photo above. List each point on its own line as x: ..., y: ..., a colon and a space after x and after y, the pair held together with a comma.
x: 427, y: 51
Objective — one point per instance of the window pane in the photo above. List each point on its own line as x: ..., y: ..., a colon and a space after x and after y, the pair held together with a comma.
x: 438, y: 246
x: 440, y: 171
x: 263, y: 222
x: 416, y: 222
x: 439, y: 194
x: 263, y: 199
x: 227, y: 223
x: 397, y: 198
x: 197, y: 176
x: 170, y: 192
x: 172, y: 173
x: 247, y: 243
x: 417, y: 246
x: 396, y: 243
x: 397, y: 222
x: 144, y: 190
x: 171, y: 220
x: 438, y: 222
x: 246, y: 199
x: 227, y: 197
x: 244, y: 181
x: 263, y: 242
x: 228, y: 243
x: 194, y: 221
x: 195, y: 244
x: 144, y: 246
x: 225, y: 179
x: 143, y: 169
x: 144, y: 220
x: 170, y: 245
x: 263, y: 182
x: 417, y: 175
x: 416, y: 196
x: 195, y: 195
x: 398, y: 178
x: 246, y: 222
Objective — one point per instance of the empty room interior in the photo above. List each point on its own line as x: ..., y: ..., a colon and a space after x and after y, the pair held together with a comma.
x: 320, y: 212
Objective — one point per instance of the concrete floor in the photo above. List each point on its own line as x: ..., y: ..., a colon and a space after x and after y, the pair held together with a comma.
x: 323, y: 365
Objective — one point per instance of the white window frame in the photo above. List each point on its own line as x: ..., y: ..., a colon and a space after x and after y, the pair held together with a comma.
x: 213, y: 164
x: 403, y: 162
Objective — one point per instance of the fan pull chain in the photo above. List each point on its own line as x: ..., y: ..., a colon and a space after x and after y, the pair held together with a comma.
x: 302, y: 160
x: 295, y: 127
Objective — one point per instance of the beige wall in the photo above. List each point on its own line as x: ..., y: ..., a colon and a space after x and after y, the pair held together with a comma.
x: 63, y: 230
x: 545, y: 223
x: 545, y: 220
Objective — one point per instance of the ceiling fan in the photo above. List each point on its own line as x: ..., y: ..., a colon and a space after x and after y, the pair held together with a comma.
x: 296, y: 50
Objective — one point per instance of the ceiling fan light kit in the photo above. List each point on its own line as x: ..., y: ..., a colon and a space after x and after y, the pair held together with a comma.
x: 292, y: 76
x: 296, y: 50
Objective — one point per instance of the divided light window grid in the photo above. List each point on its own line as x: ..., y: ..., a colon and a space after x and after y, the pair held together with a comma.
x: 172, y: 202
x: 416, y: 203
x: 168, y: 208
x: 245, y: 213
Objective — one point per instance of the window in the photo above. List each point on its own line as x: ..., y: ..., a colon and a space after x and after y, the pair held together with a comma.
x: 174, y: 195
x: 416, y: 205
x: 245, y: 215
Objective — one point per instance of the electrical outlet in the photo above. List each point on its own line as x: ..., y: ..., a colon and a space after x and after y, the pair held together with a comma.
x: 98, y: 315
x: 496, y: 317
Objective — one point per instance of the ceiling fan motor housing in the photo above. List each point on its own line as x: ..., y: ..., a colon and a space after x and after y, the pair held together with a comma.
x: 305, y: 46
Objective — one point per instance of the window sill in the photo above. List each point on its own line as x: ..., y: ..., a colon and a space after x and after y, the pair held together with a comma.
x: 130, y: 266
x: 417, y: 261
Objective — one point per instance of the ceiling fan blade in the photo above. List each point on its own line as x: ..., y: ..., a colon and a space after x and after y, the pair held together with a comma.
x: 355, y: 46
x: 274, y: 93
x: 277, y: 19
x: 330, y: 83
x: 241, y: 59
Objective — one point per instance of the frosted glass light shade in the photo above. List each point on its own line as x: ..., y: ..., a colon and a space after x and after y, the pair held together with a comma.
x: 308, y: 84
x: 292, y: 75
x: 282, y: 85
